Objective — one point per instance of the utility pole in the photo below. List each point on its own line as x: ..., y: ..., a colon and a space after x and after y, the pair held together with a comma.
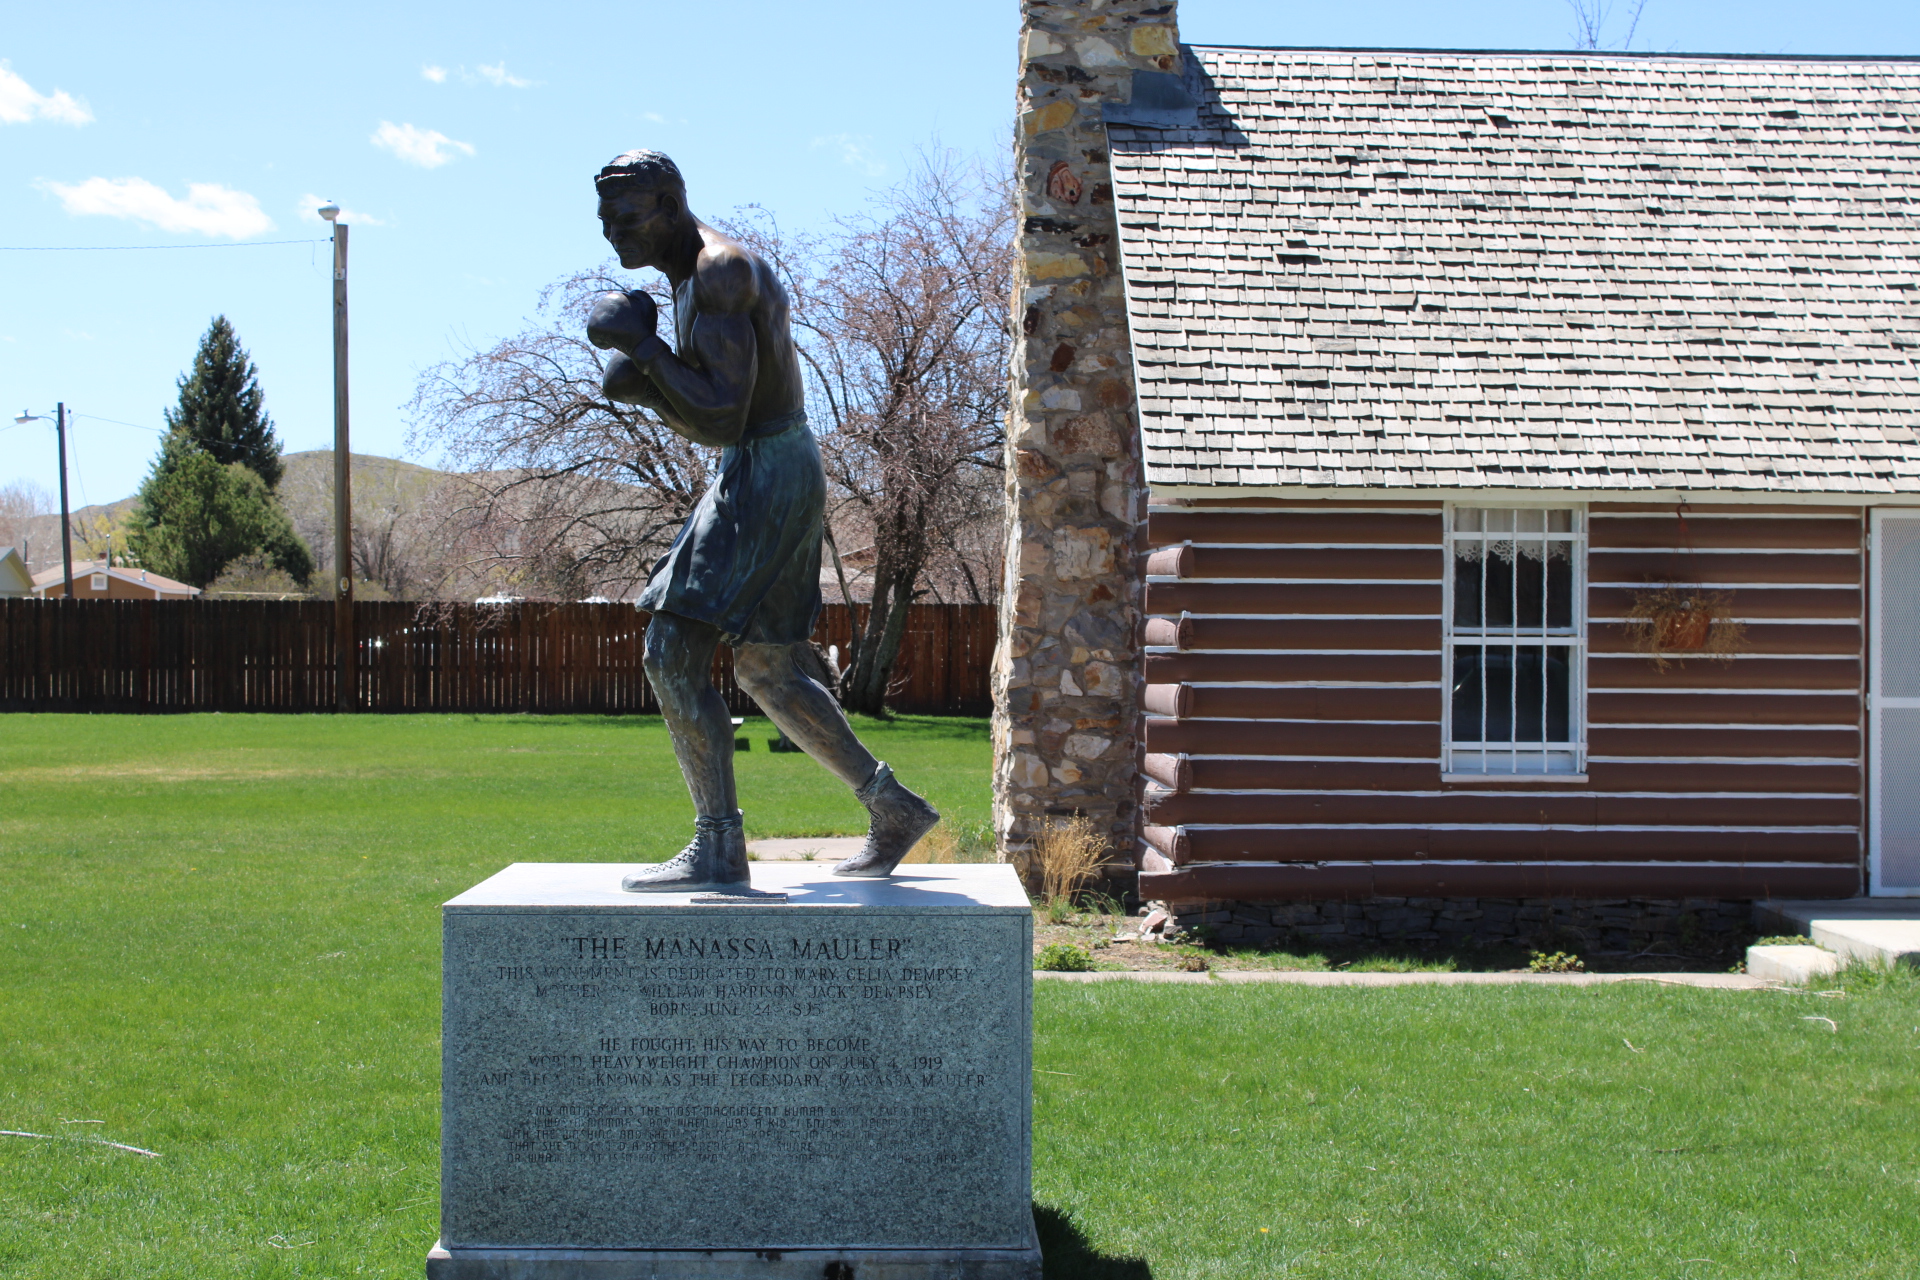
x: 345, y: 642
x: 66, y: 523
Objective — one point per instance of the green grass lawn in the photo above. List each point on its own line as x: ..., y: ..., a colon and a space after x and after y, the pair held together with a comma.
x: 1479, y: 1132
x: 218, y: 939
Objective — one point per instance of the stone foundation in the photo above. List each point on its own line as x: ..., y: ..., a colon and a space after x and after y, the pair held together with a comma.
x: 1596, y: 926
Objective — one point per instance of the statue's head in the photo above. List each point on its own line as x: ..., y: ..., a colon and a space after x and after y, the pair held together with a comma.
x: 643, y: 206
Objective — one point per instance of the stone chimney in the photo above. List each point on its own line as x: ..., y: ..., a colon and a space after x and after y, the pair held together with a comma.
x: 1067, y: 670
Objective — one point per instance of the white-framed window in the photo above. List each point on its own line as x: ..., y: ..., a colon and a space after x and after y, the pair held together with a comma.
x: 99, y: 582
x: 1516, y: 632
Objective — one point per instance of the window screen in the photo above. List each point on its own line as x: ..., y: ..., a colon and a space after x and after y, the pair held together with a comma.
x: 1515, y: 637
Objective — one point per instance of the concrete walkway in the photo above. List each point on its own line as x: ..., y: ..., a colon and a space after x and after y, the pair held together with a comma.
x: 816, y: 848
x: 1322, y: 978
x: 1876, y: 930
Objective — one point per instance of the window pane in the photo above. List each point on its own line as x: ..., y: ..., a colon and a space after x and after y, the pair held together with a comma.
x: 1499, y: 584
x: 1530, y: 569
x: 1467, y: 566
x: 1559, y: 569
x: 1542, y: 694
x: 1466, y: 694
x: 1511, y: 693
x: 1522, y: 581
x: 1545, y: 580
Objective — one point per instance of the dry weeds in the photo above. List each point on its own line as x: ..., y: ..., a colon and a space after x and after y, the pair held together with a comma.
x: 1070, y: 855
x: 946, y: 844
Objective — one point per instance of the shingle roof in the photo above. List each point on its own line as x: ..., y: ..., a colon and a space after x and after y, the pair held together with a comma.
x: 1528, y: 270
x: 146, y: 579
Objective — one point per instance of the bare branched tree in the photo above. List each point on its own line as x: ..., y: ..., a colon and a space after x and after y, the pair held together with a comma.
x: 901, y: 315
x: 565, y: 492
x: 22, y: 506
x: 1590, y: 18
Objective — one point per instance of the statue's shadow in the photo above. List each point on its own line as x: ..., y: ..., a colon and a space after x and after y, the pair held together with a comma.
x: 1070, y: 1256
x: 902, y: 889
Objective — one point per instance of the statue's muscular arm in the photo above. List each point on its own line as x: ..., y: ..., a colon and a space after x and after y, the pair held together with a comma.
x: 704, y: 395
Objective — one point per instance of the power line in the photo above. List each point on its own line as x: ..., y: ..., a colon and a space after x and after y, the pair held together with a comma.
x: 116, y: 248
x: 76, y: 463
x: 116, y: 422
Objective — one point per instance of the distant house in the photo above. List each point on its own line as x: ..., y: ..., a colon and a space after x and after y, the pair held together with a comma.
x: 1459, y: 383
x: 14, y: 578
x: 97, y: 580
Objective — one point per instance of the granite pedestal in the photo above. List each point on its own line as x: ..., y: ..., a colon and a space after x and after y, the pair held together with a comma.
x: 672, y: 1086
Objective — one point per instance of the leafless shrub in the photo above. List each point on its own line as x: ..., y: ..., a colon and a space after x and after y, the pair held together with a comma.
x: 22, y: 504
x: 565, y: 492
x: 254, y: 576
x: 901, y: 316
x: 1590, y: 19
x: 401, y: 548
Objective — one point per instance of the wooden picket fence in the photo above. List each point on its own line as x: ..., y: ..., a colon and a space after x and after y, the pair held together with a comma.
x: 246, y: 655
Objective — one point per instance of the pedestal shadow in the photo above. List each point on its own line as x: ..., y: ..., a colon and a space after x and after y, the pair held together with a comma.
x: 1070, y: 1256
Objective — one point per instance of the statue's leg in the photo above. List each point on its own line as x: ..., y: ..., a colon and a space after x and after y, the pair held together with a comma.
x: 805, y: 712
x: 679, y: 661
x: 811, y: 719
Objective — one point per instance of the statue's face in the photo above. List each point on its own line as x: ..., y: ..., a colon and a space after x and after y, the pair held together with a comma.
x: 641, y: 223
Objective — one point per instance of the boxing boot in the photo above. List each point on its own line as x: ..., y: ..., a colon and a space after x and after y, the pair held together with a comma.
x: 899, y: 819
x: 715, y: 859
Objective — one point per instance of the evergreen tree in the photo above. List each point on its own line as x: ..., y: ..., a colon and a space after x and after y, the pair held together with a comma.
x: 221, y: 407
x: 193, y: 517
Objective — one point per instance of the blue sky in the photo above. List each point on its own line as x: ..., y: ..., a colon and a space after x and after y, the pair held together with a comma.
x: 464, y: 139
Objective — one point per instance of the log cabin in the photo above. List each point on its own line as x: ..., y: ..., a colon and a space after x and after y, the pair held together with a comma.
x: 1527, y: 446
x: 1452, y: 370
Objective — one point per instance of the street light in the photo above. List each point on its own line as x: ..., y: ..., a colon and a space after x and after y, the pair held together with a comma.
x: 344, y: 638
x: 59, y: 421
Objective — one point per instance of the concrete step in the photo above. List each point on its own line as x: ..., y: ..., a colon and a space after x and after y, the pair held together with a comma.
x: 1793, y: 966
x: 1876, y: 930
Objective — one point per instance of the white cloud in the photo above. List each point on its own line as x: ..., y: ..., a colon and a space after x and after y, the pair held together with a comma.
x: 854, y: 151
x: 497, y: 76
x: 428, y: 148
x: 309, y: 212
x: 19, y: 102
x: 209, y: 208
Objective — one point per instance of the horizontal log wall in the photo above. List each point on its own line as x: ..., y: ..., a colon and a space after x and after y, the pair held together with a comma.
x: 1293, y: 713
x: 232, y: 655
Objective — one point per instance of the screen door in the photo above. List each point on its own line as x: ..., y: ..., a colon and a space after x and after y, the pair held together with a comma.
x: 1894, y: 704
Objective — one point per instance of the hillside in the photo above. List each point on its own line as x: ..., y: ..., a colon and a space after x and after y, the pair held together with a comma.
x: 384, y: 490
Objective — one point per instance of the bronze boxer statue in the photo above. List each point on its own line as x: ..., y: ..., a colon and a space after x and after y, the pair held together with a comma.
x: 746, y: 566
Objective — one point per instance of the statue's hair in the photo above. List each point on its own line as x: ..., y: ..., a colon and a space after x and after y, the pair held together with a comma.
x: 641, y: 168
